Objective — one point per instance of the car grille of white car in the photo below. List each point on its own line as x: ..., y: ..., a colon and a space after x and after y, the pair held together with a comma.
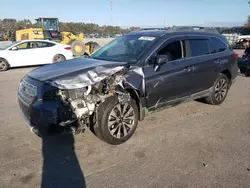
x: 27, y: 92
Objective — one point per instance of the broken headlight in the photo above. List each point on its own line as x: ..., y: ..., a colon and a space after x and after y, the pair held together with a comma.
x: 50, y: 95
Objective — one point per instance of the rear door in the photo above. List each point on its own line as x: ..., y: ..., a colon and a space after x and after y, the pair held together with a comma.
x: 172, y: 80
x: 204, y: 72
x: 46, y: 51
x: 222, y: 56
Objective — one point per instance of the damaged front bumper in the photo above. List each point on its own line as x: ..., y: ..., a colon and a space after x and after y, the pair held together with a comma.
x: 44, y: 116
x: 68, y: 102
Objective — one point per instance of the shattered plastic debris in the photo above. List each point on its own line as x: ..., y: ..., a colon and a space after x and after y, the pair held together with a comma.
x: 123, y: 97
x: 85, y: 79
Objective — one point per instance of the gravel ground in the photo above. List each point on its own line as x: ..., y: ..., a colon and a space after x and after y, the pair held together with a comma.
x: 192, y: 145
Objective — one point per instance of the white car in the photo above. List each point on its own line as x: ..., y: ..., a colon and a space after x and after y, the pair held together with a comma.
x: 33, y: 52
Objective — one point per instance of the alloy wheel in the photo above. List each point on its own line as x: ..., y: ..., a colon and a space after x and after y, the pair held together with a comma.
x: 221, y: 89
x: 3, y: 65
x: 121, y: 120
x: 58, y: 58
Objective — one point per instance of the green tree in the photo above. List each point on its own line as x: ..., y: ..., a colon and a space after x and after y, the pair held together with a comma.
x: 247, y: 25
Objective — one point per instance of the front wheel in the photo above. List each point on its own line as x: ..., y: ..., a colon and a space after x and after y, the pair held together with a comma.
x: 117, y: 122
x: 219, y: 91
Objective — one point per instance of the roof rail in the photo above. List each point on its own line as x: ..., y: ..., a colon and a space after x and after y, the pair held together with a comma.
x: 193, y: 29
x: 142, y: 29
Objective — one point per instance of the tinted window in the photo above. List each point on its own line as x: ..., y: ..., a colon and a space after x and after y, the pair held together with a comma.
x: 172, y: 50
x: 199, y: 47
x: 216, y: 45
x: 44, y: 44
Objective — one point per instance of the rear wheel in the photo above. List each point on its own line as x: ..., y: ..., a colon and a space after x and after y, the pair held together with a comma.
x: 4, y: 65
x: 220, y: 90
x: 242, y: 70
x: 247, y: 72
x: 93, y: 46
x: 116, y: 122
x: 58, y: 58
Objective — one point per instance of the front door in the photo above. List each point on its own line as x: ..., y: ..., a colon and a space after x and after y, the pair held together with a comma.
x: 24, y: 54
x: 172, y: 81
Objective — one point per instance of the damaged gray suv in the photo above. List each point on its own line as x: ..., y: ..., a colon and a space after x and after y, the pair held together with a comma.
x: 122, y: 82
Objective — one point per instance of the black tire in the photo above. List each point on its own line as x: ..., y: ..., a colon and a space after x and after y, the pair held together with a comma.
x: 101, y: 128
x: 58, y: 58
x: 93, y: 46
x: 247, y: 72
x: 222, y: 86
x: 4, y: 65
x: 242, y: 70
x: 77, y: 44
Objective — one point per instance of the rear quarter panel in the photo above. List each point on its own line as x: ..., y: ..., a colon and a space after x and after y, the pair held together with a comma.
x: 66, y: 53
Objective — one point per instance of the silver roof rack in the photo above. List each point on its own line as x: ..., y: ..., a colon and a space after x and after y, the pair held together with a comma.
x: 142, y: 29
x: 192, y: 29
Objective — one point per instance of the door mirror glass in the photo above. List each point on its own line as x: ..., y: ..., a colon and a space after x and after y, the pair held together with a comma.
x: 161, y: 59
x: 14, y: 48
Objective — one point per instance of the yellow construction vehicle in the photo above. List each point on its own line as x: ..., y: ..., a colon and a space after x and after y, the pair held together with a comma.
x: 4, y: 35
x: 48, y: 28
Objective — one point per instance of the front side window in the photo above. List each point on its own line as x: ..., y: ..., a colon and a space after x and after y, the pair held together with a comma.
x: 124, y: 49
x: 172, y: 50
x: 22, y: 46
x: 199, y: 47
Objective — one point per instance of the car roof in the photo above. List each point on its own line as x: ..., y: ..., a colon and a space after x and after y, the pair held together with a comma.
x: 151, y: 33
x: 183, y: 30
x: 37, y: 40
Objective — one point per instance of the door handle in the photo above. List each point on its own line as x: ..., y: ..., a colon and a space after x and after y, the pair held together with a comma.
x: 188, y: 69
x: 217, y: 61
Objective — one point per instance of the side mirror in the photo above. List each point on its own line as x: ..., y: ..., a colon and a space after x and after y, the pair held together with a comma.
x: 14, y: 48
x: 160, y: 60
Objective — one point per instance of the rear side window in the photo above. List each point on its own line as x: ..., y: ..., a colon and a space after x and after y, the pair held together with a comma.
x: 44, y: 44
x: 217, y: 45
x: 199, y: 47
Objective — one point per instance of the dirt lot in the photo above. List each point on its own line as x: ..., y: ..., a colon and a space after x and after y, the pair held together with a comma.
x: 192, y: 145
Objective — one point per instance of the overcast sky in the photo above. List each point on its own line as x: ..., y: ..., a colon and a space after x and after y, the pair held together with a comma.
x: 132, y: 12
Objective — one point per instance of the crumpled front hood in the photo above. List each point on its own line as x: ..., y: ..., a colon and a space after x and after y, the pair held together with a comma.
x: 76, y: 73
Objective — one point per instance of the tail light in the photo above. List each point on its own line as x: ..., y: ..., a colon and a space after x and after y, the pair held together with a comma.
x: 235, y: 56
x: 54, y: 34
x: 67, y: 48
x: 245, y: 57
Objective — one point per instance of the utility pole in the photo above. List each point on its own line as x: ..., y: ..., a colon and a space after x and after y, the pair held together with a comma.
x: 111, y: 19
x: 164, y: 23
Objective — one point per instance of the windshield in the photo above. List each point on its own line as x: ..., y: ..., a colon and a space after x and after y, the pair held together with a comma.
x: 124, y: 49
x: 49, y: 24
x: 3, y: 46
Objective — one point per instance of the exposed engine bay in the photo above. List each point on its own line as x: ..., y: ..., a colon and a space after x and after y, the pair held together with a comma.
x: 84, y: 101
